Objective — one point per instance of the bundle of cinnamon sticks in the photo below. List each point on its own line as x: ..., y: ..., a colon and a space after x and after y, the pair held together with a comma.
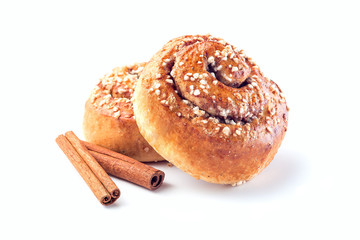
x: 94, y: 163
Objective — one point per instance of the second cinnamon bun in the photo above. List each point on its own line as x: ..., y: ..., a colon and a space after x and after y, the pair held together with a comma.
x: 109, y: 117
x: 207, y: 108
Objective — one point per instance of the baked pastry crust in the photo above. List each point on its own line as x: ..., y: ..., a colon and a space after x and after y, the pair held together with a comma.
x: 109, y: 118
x: 207, y: 108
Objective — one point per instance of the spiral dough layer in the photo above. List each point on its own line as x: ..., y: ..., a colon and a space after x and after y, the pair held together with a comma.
x: 206, y: 107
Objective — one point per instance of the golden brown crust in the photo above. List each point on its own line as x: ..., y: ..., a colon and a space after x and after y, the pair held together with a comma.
x: 207, y: 108
x: 109, y: 118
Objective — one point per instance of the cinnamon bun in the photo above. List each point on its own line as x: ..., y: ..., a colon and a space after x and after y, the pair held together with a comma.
x: 206, y: 107
x: 109, y: 117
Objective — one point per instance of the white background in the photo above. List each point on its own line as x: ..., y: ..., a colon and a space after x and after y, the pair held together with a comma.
x: 52, y: 55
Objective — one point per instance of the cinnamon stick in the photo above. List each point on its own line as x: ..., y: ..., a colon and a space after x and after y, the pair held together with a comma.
x: 89, y: 169
x: 85, y: 172
x: 126, y: 168
x: 99, y: 172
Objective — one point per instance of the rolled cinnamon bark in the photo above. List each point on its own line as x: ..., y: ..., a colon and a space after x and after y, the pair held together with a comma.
x: 99, y: 172
x: 85, y: 172
x: 126, y: 168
